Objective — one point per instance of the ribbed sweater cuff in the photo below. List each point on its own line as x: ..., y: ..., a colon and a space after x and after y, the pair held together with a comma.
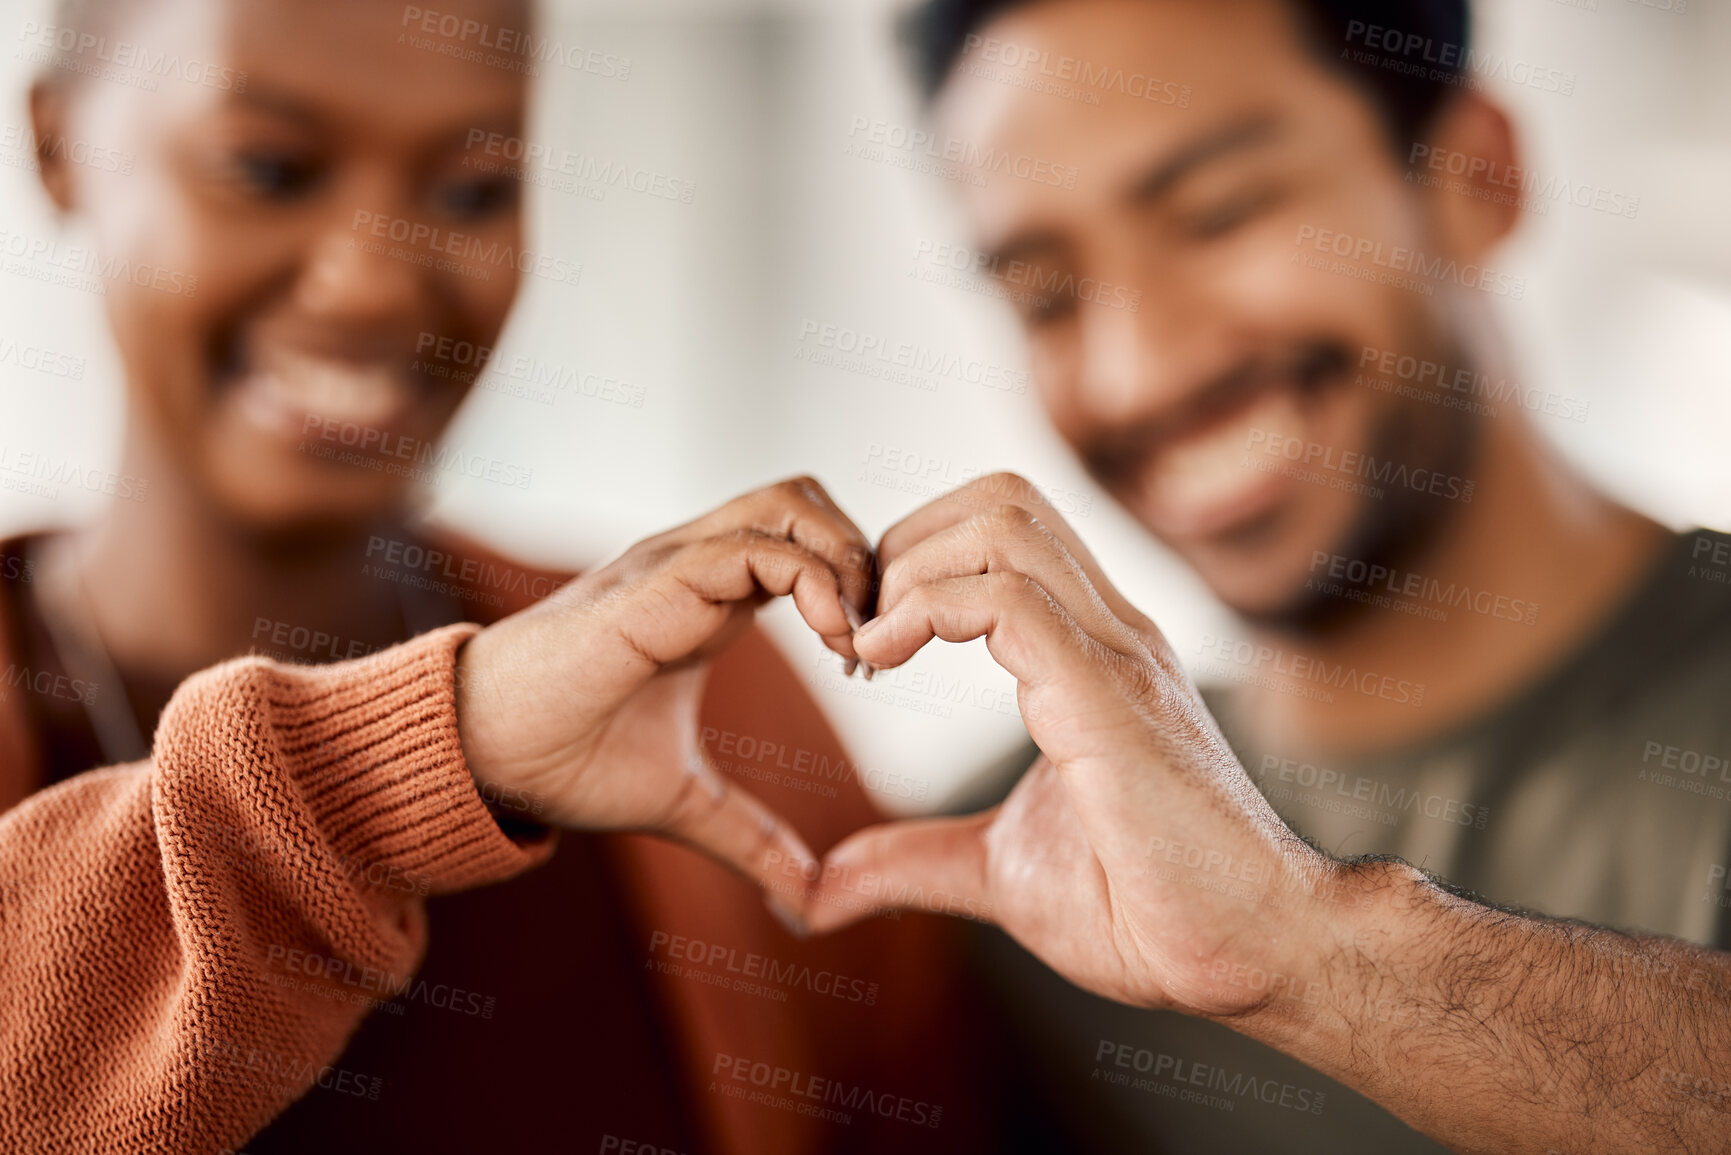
x: 373, y: 750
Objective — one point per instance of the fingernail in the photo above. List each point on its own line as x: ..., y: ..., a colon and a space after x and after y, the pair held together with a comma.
x: 861, y: 631
x: 786, y: 915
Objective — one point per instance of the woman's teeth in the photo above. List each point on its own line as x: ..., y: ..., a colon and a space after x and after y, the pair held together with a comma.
x: 290, y: 392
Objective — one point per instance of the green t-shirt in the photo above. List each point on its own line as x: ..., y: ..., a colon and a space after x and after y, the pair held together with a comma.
x: 1601, y: 793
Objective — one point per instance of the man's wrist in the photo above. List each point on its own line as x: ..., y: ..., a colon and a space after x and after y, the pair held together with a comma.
x: 1425, y: 998
x: 1351, y: 965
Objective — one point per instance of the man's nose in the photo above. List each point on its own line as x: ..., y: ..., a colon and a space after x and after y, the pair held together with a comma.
x: 1138, y: 363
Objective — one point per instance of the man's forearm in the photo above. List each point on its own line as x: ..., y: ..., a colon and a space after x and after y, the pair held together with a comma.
x: 1498, y: 1031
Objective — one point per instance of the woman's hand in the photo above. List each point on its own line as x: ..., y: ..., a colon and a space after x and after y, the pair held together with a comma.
x: 589, y: 699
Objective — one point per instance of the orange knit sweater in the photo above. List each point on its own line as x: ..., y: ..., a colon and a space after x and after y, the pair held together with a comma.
x: 162, y: 926
x: 284, y: 809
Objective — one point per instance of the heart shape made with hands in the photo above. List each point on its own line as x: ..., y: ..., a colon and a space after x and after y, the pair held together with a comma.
x: 590, y: 700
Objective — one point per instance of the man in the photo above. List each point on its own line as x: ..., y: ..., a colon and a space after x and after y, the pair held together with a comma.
x: 283, y: 917
x: 1266, y: 325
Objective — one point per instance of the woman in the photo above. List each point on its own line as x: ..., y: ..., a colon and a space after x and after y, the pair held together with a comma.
x: 192, y: 939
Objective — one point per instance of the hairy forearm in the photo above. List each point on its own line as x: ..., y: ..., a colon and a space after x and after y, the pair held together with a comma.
x: 1499, y: 1031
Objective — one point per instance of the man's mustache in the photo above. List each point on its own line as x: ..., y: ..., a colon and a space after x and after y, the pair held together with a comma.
x: 1116, y: 456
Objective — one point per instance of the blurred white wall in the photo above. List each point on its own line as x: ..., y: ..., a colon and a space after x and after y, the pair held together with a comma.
x: 702, y: 307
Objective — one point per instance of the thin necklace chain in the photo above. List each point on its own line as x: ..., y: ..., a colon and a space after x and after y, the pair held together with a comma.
x: 77, y: 640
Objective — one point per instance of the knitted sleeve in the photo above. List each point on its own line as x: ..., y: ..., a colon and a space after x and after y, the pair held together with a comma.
x: 157, y: 921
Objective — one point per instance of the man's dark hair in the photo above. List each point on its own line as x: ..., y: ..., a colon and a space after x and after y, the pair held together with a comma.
x: 1401, y: 81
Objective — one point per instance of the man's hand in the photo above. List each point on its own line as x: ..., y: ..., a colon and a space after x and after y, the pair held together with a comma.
x: 1138, y: 860
x: 589, y: 699
x: 1136, y: 857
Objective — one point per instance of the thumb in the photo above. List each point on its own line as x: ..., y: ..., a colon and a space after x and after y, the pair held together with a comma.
x: 654, y: 775
x: 934, y: 864
x: 732, y: 826
x: 709, y: 810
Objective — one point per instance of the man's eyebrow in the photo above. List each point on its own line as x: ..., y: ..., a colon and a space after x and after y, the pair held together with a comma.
x: 1248, y: 133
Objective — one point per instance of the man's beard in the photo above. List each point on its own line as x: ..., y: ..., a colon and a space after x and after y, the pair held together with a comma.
x: 1392, y: 531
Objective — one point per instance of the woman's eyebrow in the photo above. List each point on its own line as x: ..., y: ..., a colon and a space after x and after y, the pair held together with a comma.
x: 497, y: 122
x: 277, y: 104
x: 1025, y: 247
